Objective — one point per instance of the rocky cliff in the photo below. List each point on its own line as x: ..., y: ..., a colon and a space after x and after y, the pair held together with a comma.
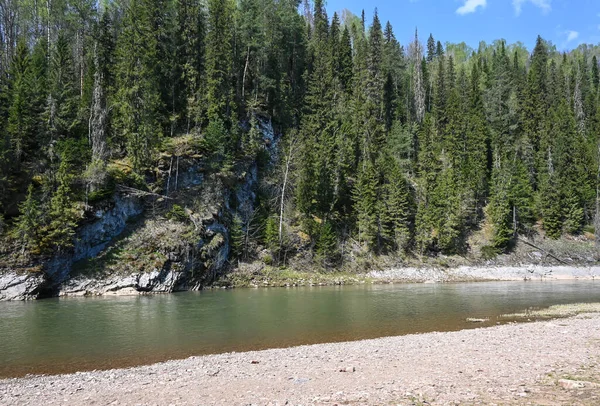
x: 174, y: 237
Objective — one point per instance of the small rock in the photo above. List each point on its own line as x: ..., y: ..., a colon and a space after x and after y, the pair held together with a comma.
x: 348, y: 369
x: 569, y: 384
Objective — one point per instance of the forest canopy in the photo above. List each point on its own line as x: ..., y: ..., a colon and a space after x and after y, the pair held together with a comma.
x: 403, y: 148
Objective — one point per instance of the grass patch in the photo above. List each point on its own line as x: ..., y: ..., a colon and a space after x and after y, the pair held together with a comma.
x: 556, y: 311
x: 271, y: 276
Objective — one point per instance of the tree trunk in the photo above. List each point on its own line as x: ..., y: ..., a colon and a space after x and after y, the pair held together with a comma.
x: 284, y: 186
x: 597, y: 216
x: 245, y: 72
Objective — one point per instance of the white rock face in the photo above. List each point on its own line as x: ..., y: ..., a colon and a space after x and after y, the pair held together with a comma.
x: 14, y: 286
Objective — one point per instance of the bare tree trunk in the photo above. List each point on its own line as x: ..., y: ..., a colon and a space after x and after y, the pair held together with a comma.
x: 514, y: 221
x: 48, y: 9
x: 169, y: 178
x: 177, y: 173
x: 98, y: 116
x: 597, y: 216
x: 283, y: 188
x: 245, y: 72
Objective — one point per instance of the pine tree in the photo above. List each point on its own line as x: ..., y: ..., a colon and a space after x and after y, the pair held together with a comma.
x: 477, y: 145
x: 28, y: 223
x: 500, y: 214
x: 219, y: 61
x: 366, y: 202
x: 236, y: 237
x: 428, y: 213
x: 431, y: 48
x: 191, y: 51
x: 395, y: 207
x: 61, y: 116
x: 374, y: 131
x: 139, y: 106
x: 326, y: 247
x: 21, y: 119
x: 62, y: 213
x: 345, y: 61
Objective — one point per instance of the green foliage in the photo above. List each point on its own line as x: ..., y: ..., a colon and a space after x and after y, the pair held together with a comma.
x: 501, y: 217
x: 138, y: 99
x: 271, y: 234
x: 219, y: 45
x: 396, y: 147
x: 327, y: 244
x: 396, y: 211
x: 365, y: 196
x: 177, y: 213
x: 28, y: 223
x: 63, y: 215
x: 489, y: 252
x: 215, y: 137
x: 236, y: 237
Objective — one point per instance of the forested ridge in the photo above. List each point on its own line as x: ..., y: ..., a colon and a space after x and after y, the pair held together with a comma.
x: 383, y: 147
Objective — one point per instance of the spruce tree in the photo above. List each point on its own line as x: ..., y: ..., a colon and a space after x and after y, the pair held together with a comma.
x: 62, y: 214
x: 366, y: 204
x: 395, y: 207
x: 28, y: 223
x: 431, y: 48
x: 219, y: 61
x: 61, y: 116
x: 138, y: 97
x: 21, y: 119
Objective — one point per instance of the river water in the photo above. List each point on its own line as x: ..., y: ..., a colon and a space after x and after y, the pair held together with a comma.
x: 67, y: 335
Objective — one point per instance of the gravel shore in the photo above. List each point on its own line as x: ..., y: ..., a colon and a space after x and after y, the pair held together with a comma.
x: 487, y: 273
x: 552, y: 362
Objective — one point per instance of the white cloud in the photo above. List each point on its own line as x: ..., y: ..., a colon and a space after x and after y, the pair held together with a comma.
x: 545, y: 5
x: 570, y: 39
x: 471, y: 6
x: 572, y: 35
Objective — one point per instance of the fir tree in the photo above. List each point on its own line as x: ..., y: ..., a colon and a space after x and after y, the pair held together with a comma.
x: 236, y: 237
x: 431, y: 48
x: 62, y: 105
x: 28, y: 223
x: 326, y: 247
x: 62, y: 213
x: 138, y: 117
x: 366, y: 202
x: 21, y: 123
x: 219, y: 61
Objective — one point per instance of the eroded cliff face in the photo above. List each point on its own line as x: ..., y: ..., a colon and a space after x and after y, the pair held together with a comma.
x: 175, y: 238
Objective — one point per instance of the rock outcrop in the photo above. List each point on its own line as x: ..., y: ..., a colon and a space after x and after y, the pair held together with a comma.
x: 125, y: 245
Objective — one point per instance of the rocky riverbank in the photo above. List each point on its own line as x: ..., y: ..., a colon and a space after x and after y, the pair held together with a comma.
x: 551, y: 362
x: 270, y: 277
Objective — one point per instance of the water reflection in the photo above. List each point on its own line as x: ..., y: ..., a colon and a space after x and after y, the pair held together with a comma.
x: 64, y: 335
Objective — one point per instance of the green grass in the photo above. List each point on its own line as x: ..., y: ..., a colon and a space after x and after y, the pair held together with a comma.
x: 557, y: 311
x: 281, y: 277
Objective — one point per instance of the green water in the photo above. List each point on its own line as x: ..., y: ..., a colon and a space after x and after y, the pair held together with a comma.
x: 66, y: 335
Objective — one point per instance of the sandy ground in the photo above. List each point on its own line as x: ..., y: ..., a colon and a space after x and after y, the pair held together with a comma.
x: 543, y: 363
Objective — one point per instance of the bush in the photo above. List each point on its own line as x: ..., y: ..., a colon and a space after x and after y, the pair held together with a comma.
x: 177, y: 213
x: 489, y: 252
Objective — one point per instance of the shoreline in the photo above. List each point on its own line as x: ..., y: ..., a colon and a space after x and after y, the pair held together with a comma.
x: 540, y: 362
x: 459, y: 274
x: 14, y: 286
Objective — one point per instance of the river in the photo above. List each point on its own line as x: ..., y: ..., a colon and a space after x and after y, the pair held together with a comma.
x: 71, y: 334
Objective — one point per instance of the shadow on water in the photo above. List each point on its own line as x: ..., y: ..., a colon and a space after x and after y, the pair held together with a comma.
x: 67, y: 335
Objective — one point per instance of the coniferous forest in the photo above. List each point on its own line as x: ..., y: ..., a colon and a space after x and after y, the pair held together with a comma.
x: 399, y: 148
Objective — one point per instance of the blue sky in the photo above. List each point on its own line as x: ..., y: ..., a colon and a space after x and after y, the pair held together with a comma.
x: 566, y: 23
